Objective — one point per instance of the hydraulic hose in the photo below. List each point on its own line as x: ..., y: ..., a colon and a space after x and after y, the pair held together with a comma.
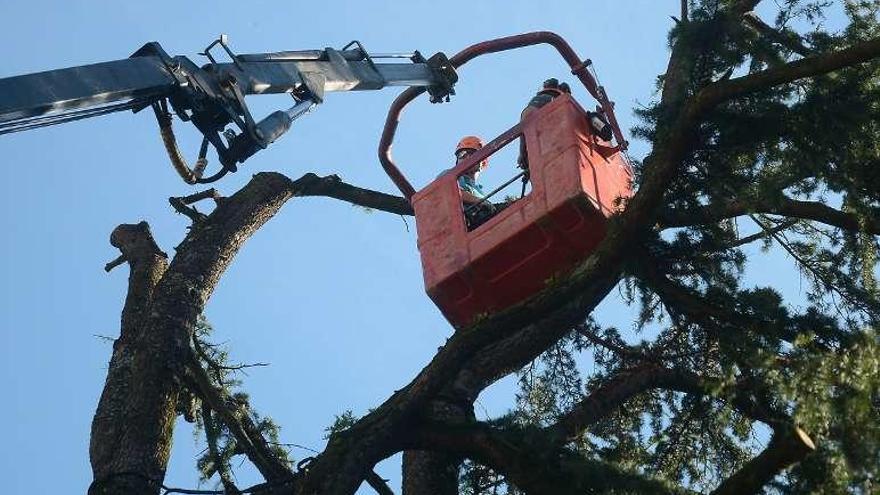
x: 190, y: 176
x: 578, y: 68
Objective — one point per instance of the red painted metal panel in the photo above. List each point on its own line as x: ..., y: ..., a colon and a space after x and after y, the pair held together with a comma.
x: 576, y: 180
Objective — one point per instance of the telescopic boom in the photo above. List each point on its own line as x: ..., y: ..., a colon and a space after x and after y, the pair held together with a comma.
x: 212, y: 97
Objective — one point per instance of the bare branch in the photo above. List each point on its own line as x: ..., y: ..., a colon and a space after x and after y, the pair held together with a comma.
x: 190, y: 211
x: 207, y: 193
x: 113, y: 264
x: 333, y: 187
x: 137, y: 427
x: 378, y: 484
x: 181, y: 204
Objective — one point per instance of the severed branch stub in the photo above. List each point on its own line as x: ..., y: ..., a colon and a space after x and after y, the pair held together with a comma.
x: 136, y: 243
x: 182, y: 204
x: 378, y: 484
x: 113, y: 264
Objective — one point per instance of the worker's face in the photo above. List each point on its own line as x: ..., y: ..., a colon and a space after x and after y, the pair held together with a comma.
x: 474, y: 171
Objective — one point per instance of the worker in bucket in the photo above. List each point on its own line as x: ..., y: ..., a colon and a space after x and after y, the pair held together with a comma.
x: 550, y: 90
x: 477, y: 208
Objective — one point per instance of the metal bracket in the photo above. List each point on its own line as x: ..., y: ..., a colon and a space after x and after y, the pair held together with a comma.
x: 222, y: 42
x: 445, y: 71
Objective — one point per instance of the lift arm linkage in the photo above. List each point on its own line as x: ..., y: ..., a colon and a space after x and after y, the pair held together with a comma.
x: 212, y: 96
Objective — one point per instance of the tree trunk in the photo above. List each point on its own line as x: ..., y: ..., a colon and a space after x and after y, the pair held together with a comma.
x: 430, y: 473
x: 132, y: 427
x: 436, y: 473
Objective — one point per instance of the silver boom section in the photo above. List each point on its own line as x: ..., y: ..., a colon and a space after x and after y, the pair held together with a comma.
x: 77, y: 88
x: 56, y: 96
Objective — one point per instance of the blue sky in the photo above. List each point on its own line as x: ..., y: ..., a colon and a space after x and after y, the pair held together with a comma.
x: 328, y: 294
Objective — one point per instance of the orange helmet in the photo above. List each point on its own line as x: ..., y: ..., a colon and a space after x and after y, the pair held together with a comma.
x: 469, y: 143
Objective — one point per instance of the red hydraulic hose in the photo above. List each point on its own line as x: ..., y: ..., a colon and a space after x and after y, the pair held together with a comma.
x: 387, y: 138
x: 578, y: 68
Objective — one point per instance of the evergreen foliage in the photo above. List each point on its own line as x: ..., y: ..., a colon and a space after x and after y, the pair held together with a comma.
x: 818, y: 366
x: 733, y: 387
x: 222, y: 445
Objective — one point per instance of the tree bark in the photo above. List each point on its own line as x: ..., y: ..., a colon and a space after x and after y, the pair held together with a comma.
x: 431, y: 472
x: 133, y: 426
x: 130, y: 439
x: 788, y: 446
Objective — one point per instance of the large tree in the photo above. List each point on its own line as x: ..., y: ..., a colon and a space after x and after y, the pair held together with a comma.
x: 764, y: 131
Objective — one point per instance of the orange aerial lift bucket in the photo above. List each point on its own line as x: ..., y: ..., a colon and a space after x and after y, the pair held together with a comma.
x: 577, y: 182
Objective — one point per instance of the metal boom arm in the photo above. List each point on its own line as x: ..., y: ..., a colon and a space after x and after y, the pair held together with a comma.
x: 212, y: 96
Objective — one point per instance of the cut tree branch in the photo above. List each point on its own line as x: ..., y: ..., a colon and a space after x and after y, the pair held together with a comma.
x: 133, y: 427
x: 181, y: 204
x: 113, y: 264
